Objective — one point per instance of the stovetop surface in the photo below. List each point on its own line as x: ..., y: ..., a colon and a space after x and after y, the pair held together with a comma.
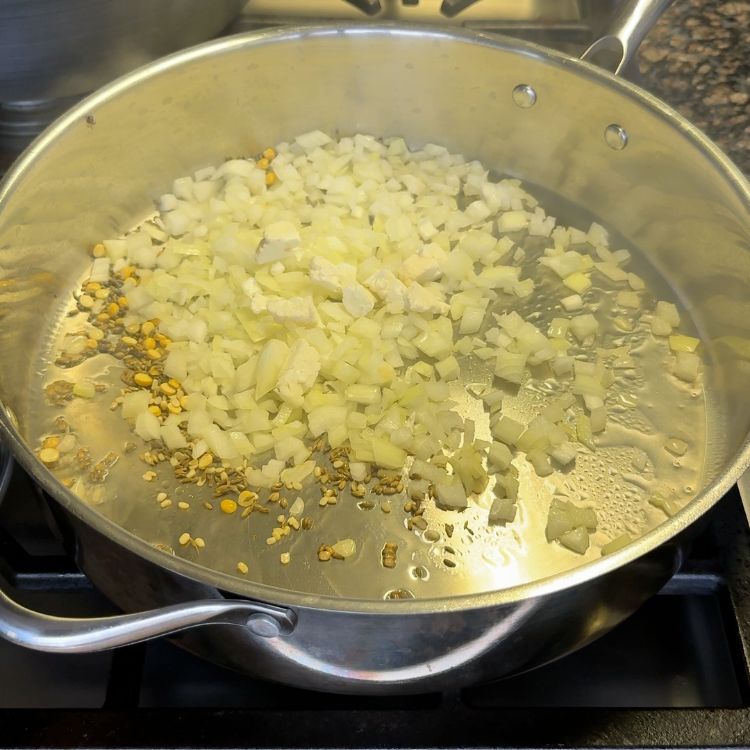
x: 674, y: 674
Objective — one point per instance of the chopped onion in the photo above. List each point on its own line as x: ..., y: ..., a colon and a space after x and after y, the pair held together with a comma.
x: 681, y: 343
x: 502, y: 511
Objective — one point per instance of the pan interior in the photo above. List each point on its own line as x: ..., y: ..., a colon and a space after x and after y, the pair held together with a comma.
x: 457, y: 552
x: 667, y: 197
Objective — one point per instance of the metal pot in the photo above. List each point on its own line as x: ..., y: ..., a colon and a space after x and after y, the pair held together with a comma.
x: 554, y: 121
x: 52, y: 54
x: 50, y: 50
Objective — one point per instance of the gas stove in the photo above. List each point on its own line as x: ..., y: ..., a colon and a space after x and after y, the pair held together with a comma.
x: 673, y: 675
x: 676, y: 674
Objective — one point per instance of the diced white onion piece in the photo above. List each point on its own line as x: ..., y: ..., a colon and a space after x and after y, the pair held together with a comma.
x: 558, y: 327
x: 660, y: 327
x: 563, y: 454
x: 564, y: 516
x: 471, y: 320
x: 577, y: 282
x: 612, y: 271
x: 540, y: 461
x: 583, y: 431
x: 686, y: 366
x: 498, y: 457
x: 448, y: 368
x: 629, y: 299
x: 512, y: 221
x: 636, y: 282
x: 100, y: 270
x: 84, y: 389
x: 598, y: 419
x: 147, y: 426
x: 584, y: 326
x: 536, y: 434
x: 386, y: 454
x: 507, y: 430
x: 502, y: 511
x: 344, y: 548
x: 359, y: 393
x: 270, y: 364
x: 668, y: 505
x: 450, y: 494
x: 313, y: 139
x: 667, y: 311
x: 510, y: 366
x: 597, y: 235
x: 562, y: 366
x: 576, y: 540
x: 682, y: 343
x: 618, y: 543
x: 358, y: 470
x: 572, y: 303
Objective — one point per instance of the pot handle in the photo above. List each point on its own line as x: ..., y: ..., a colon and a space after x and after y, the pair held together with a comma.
x: 41, y: 632
x: 615, y: 49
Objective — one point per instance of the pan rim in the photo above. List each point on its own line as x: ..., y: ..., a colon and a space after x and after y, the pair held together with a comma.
x: 555, y: 584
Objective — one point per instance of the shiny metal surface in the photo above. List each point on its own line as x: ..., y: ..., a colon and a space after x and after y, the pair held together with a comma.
x: 668, y: 191
x: 425, y: 11
x: 399, y: 648
x: 78, y: 635
x: 455, y: 553
x: 50, y: 49
x: 616, y: 48
x: 616, y: 137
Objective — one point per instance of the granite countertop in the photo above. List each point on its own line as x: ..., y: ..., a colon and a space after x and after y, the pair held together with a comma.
x: 697, y: 59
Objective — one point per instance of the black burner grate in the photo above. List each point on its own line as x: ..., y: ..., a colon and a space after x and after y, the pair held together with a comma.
x: 674, y: 675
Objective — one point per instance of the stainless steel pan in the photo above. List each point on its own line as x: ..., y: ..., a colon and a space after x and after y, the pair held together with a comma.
x: 591, y: 138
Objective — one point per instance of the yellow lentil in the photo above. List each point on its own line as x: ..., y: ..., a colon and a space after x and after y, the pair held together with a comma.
x: 242, y: 567
x: 49, y: 455
x: 143, y: 379
x: 228, y: 506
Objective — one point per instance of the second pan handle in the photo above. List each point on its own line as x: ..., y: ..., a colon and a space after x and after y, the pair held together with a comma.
x: 633, y: 20
x: 41, y: 632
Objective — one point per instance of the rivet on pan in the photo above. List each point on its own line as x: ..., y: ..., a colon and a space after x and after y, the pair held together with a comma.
x: 616, y: 137
x: 263, y: 625
x: 524, y: 96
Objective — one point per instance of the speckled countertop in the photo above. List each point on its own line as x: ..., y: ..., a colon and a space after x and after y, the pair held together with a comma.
x: 697, y: 59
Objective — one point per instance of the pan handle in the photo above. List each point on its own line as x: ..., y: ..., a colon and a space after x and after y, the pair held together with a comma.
x: 41, y: 632
x: 634, y: 19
